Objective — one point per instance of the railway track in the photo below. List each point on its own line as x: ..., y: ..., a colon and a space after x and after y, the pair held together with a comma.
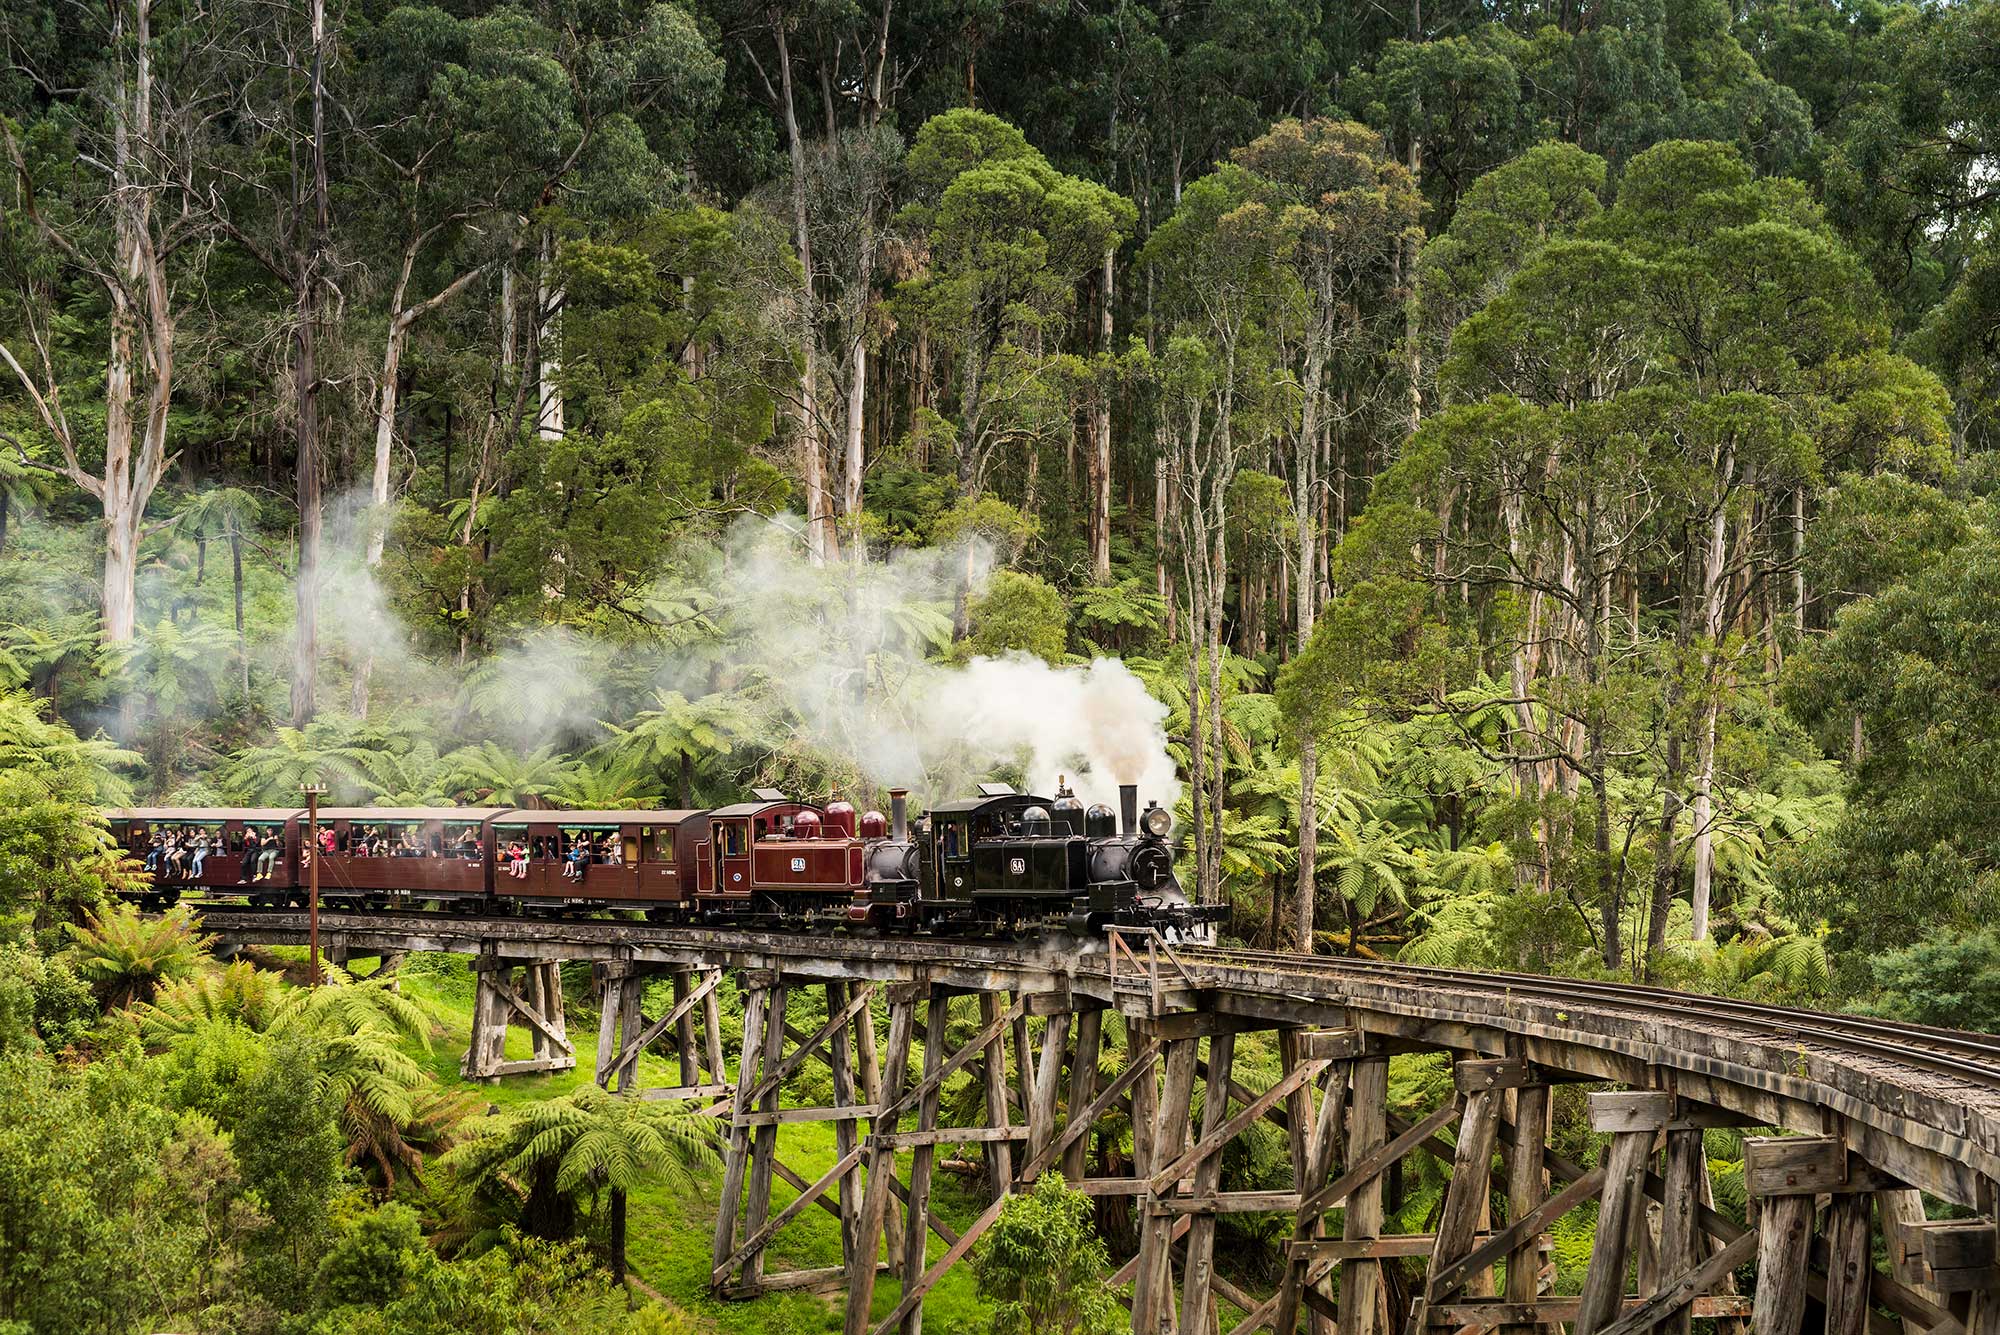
x: 1966, y: 1056
x: 1952, y: 1053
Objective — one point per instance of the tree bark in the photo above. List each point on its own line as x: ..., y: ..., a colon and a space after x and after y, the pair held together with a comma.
x: 1100, y: 438
x: 305, y: 383
x: 820, y: 544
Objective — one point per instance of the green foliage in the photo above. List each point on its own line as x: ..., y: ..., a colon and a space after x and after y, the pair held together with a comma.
x: 1017, y: 612
x: 1949, y: 978
x: 126, y: 956
x: 1043, y: 1263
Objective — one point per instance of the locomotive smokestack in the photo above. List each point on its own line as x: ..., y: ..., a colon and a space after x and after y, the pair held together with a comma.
x: 899, y: 814
x: 1128, y: 806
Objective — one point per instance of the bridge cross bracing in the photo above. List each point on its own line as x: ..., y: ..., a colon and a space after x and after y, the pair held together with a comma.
x: 1856, y: 1131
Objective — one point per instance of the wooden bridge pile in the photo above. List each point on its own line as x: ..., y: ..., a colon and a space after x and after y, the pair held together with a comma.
x: 1845, y: 1144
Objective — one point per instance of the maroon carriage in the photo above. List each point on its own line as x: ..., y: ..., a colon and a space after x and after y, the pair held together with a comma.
x: 378, y: 854
x: 621, y: 859
x: 247, y: 851
x: 777, y: 856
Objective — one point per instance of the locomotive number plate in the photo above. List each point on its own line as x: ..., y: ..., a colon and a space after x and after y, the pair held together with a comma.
x: 1017, y: 866
x: 798, y: 864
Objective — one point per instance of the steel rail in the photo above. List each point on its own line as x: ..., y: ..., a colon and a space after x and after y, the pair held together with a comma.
x: 1945, y: 1051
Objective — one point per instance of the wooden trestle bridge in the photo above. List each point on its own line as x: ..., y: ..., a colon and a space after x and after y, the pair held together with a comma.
x: 1872, y: 1154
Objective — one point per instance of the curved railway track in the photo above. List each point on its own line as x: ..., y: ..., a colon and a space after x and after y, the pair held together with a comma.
x: 1952, y: 1052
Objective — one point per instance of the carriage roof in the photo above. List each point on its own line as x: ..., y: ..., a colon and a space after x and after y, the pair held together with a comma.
x: 403, y: 815
x: 205, y: 815
x: 552, y: 819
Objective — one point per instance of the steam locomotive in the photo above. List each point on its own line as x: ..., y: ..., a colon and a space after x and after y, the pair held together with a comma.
x: 1000, y: 862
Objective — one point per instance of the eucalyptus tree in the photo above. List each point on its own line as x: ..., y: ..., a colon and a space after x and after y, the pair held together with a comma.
x: 92, y: 194
x: 1008, y: 240
x: 1225, y: 284
x: 1352, y: 210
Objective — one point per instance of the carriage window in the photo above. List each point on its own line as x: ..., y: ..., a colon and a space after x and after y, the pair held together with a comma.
x: 655, y: 845
x: 731, y: 840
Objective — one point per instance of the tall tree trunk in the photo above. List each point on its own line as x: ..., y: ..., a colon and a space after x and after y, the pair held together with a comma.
x: 1715, y: 595
x: 820, y: 544
x: 305, y: 382
x: 1100, y: 438
x: 618, y: 1235
x: 548, y: 341
x: 236, y: 593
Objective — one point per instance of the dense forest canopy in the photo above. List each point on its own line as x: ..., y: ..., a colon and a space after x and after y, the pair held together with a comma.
x: 1521, y: 472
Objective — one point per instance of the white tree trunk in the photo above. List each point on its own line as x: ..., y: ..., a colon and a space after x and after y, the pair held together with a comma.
x: 1100, y: 442
x: 548, y: 339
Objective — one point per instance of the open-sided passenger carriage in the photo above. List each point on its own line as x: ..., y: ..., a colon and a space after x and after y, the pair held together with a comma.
x: 379, y: 855
x: 232, y: 844
x: 612, y: 859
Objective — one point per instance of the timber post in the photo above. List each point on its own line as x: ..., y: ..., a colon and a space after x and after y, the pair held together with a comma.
x: 498, y: 1002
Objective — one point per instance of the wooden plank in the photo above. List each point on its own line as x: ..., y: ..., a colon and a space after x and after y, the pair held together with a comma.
x: 1794, y: 1165
x: 1213, y: 1141
x: 950, y: 1066
x: 1340, y: 1249
x: 1048, y: 1084
x: 797, y: 1206
x: 1850, y: 1263
x: 1075, y: 1153
x: 810, y: 1046
x: 1958, y: 1244
x: 1314, y: 1144
x: 630, y: 1050
x: 764, y: 1136
x: 1140, y: 1063
x: 1221, y: 1202
x: 1527, y: 1190
x: 1493, y: 1073
x: 910, y: 1307
x: 1680, y: 1291
x: 531, y: 1014
x: 1361, y: 1280
x: 1624, y: 1189
x: 790, y: 1116
x: 1193, y: 1024
x: 1784, y: 1237
x: 950, y: 1135
x: 881, y: 1172
x: 993, y: 1082
x: 1469, y: 1190
x: 735, y: 1161
x: 1687, y: 1164
x: 1152, y: 1292
x: 922, y: 1158
x: 1198, y: 1270
x: 1329, y: 1045
x: 1630, y: 1110
x: 1378, y: 1159
x: 670, y: 1092
x: 1520, y: 1235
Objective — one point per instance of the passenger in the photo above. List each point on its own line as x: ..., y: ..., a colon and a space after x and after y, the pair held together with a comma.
x: 434, y: 846
x: 468, y: 844
x: 152, y: 857
x: 517, y: 861
x: 614, y: 851
x: 252, y: 847
x: 267, y: 861
x: 201, y: 846
x: 171, y: 864
x: 326, y: 841
x: 579, y: 854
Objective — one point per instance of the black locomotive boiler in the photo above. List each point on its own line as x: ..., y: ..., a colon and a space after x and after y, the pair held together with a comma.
x: 1004, y: 861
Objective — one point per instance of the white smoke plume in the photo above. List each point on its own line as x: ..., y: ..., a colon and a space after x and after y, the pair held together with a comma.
x: 846, y: 647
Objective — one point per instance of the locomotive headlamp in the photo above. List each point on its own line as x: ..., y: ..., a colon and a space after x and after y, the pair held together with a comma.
x: 1157, y: 822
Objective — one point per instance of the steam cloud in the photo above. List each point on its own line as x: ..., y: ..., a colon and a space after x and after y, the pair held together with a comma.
x: 843, y: 646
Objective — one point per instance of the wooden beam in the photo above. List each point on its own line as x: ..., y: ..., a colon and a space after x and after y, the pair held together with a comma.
x: 1213, y: 1141
x: 934, y: 1075
x: 629, y: 1051
x: 911, y: 1303
x: 1679, y: 1292
x: 1624, y: 1190
x: 784, y: 1069
x: 1469, y: 1191
x: 1784, y: 1238
x: 798, y: 1205
x: 1139, y: 1063
x: 1378, y: 1159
